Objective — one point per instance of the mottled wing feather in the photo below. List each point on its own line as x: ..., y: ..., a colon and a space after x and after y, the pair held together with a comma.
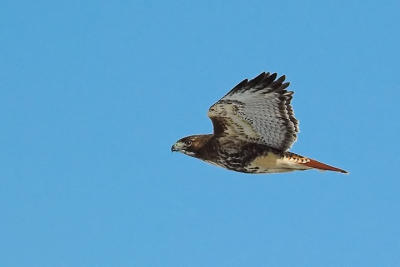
x: 257, y: 111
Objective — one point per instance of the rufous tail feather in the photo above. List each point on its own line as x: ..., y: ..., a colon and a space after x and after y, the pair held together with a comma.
x: 321, y: 166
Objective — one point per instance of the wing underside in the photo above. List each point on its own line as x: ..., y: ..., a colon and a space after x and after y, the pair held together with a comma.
x: 257, y: 111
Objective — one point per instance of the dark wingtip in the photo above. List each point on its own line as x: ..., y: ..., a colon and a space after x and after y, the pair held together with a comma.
x: 262, y: 81
x: 285, y: 85
x: 257, y: 79
x: 281, y: 79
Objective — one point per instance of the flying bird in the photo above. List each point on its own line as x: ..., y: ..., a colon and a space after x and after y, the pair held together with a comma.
x: 254, y: 127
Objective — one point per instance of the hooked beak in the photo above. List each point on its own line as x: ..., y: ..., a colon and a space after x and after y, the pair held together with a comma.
x: 173, y: 148
x: 182, y: 147
x: 176, y: 147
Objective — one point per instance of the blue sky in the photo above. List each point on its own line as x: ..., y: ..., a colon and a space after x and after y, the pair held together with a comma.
x: 94, y: 93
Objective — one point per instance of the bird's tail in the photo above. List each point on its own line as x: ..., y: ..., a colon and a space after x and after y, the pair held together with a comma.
x: 308, y: 163
x: 322, y: 166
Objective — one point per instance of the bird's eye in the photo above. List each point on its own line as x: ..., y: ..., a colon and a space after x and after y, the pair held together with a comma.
x: 188, y: 142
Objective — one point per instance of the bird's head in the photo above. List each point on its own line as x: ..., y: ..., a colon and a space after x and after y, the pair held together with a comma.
x: 191, y: 145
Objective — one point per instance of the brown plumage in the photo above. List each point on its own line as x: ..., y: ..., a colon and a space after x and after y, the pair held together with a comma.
x: 254, y: 127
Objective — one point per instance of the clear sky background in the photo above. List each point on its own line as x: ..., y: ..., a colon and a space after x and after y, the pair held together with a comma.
x: 94, y: 93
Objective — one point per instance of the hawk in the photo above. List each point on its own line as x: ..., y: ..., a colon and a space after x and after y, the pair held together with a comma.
x: 254, y: 127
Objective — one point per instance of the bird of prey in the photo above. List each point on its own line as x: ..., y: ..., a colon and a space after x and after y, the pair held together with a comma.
x: 254, y: 127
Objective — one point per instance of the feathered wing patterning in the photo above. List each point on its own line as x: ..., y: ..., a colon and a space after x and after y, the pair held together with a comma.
x: 254, y: 126
x: 258, y: 111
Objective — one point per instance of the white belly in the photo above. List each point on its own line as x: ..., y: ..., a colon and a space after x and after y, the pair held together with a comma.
x: 272, y: 163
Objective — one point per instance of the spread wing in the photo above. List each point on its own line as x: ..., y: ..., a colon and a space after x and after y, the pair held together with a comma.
x: 257, y: 111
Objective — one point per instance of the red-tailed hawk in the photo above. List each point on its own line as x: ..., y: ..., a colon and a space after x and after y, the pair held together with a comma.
x: 254, y: 127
